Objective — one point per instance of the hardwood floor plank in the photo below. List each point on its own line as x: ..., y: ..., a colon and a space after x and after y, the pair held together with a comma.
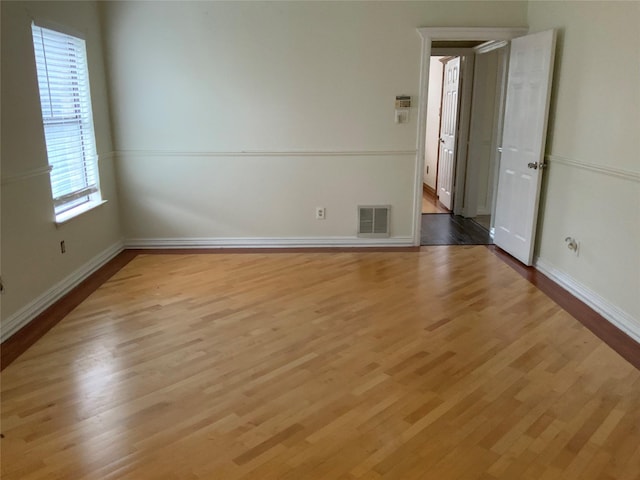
x: 13, y: 347
x: 442, y: 363
x: 606, y: 331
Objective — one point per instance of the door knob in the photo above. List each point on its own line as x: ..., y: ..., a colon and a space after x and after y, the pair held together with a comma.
x: 535, y: 165
x: 442, y: 140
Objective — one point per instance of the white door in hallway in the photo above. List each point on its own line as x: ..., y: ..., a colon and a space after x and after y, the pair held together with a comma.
x: 523, y: 143
x: 448, y: 131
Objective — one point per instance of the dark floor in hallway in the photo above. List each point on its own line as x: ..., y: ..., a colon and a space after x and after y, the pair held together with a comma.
x: 443, y: 229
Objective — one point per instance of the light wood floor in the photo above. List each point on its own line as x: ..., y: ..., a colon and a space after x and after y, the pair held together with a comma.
x: 430, y: 204
x: 442, y: 364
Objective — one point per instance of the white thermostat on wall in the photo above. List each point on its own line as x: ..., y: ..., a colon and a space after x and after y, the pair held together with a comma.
x: 403, y: 104
x: 403, y: 101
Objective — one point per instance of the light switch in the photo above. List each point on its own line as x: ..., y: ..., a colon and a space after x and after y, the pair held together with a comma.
x: 402, y: 116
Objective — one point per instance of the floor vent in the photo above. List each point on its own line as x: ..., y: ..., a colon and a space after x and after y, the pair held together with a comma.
x: 373, y: 220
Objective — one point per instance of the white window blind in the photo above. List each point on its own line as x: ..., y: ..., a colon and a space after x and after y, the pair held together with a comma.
x: 63, y: 80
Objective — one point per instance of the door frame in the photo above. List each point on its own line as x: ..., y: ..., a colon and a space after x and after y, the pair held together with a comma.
x: 467, y: 66
x: 429, y: 34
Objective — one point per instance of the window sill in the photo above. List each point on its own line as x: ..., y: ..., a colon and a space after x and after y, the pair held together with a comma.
x: 77, y: 211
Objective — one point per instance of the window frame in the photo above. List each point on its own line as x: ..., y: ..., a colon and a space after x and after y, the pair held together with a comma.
x: 74, y: 154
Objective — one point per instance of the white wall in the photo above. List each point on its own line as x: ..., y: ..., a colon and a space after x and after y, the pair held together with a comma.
x: 30, y: 249
x: 195, y: 84
x: 432, y: 144
x: 592, y: 187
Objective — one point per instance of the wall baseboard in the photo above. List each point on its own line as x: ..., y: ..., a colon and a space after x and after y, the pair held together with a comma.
x: 30, y: 311
x: 267, y: 242
x: 616, y: 316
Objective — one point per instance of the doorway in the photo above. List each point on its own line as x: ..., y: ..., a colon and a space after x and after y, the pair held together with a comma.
x: 471, y: 193
x: 458, y: 121
x: 526, y: 109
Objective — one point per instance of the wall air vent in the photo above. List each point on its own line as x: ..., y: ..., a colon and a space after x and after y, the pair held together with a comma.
x: 373, y: 220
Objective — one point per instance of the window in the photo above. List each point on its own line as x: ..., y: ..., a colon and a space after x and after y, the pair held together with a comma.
x: 63, y: 80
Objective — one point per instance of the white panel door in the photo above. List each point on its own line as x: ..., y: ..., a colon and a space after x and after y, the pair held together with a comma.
x: 523, y: 142
x: 448, y: 131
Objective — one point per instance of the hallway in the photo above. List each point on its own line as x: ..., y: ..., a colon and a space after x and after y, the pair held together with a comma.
x: 441, y: 227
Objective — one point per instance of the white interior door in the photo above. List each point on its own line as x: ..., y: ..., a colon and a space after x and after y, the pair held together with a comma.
x: 523, y: 141
x: 448, y: 129
x: 479, y: 179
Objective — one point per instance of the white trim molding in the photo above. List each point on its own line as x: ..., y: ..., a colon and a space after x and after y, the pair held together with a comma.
x: 69, y: 215
x: 267, y: 242
x: 490, y: 46
x: 34, y: 308
x: 472, y: 33
x: 265, y: 153
x: 106, y: 156
x: 592, y: 167
x: 34, y: 172
x: 615, y: 315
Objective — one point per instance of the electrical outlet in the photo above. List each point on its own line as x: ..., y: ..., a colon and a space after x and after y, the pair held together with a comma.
x: 321, y: 213
x: 63, y: 247
x: 573, y: 245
